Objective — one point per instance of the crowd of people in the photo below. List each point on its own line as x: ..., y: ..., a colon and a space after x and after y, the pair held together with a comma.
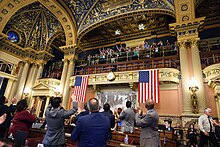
x: 94, y: 128
x: 121, y: 53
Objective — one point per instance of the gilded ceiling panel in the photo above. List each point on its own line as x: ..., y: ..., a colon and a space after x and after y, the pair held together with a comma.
x: 88, y: 12
x: 35, y: 24
x: 110, y: 8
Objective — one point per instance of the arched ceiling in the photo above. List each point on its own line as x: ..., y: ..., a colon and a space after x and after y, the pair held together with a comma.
x: 36, y: 25
x: 97, y: 20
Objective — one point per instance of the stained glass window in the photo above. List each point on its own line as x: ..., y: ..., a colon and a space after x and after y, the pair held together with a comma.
x: 13, y: 36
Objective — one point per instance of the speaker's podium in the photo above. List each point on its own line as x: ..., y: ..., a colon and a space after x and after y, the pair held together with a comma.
x: 168, y: 139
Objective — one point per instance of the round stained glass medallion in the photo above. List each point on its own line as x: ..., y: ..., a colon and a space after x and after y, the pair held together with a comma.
x: 13, y: 36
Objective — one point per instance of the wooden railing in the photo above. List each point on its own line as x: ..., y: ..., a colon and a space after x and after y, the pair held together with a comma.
x: 159, y: 62
x: 209, y: 51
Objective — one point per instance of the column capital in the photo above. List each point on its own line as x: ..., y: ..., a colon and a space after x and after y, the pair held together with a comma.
x: 65, y: 61
x: 187, y: 29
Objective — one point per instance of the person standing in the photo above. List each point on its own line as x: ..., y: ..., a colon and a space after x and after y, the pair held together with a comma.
x: 92, y: 130
x: 9, y: 110
x: 149, y: 135
x: 22, y: 120
x: 55, y: 117
x: 207, y: 129
x: 128, y: 117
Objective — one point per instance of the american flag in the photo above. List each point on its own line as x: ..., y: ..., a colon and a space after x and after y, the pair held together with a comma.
x: 80, y: 87
x: 148, y: 85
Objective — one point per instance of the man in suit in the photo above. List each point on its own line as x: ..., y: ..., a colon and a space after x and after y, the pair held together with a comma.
x: 92, y: 130
x: 128, y: 117
x: 9, y: 110
x: 149, y: 136
x: 55, y: 116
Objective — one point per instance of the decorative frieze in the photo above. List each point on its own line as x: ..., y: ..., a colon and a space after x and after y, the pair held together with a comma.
x: 169, y: 75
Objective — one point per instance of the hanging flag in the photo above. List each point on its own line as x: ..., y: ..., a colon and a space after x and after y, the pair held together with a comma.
x: 80, y: 87
x: 148, y: 85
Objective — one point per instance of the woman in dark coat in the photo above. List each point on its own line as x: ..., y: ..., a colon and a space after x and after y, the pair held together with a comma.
x: 192, y: 135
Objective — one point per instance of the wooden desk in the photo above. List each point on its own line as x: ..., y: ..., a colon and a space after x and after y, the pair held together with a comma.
x: 37, y: 135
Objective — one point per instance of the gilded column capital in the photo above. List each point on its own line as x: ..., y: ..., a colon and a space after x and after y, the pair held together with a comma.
x: 194, y: 42
x: 71, y: 60
x: 183, y: 44
x: 65, y: 61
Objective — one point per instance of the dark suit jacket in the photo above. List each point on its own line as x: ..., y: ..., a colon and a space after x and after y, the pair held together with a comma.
x: 91, y: 130
x: 8, y: 110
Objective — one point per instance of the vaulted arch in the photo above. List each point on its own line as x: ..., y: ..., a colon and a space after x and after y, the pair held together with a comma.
x: 9, y: 7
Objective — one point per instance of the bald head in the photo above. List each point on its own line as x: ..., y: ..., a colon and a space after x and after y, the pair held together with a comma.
x: 149, y: 104
x: 208, y: 111
x: 93, y: 105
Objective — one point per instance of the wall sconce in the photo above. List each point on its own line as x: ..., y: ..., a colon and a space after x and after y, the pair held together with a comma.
x: 194, y: 88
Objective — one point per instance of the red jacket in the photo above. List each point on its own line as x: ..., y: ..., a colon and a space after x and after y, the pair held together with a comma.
x: 22, y: 121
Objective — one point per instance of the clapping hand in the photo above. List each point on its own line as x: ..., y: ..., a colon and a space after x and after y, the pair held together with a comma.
x: 2, y: 118
x: 73, y: 98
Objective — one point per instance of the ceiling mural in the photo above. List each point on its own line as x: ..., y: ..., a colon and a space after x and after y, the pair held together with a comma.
x: 88, y: 12
x: 35, y: 24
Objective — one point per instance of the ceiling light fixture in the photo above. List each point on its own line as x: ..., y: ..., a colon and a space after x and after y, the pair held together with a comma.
x: 141, y: 26
x: 117, y: 32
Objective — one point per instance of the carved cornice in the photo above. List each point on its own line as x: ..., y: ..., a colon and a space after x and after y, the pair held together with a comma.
x: 24, y: 53
x: 167, y: 75
x: 187, y: 29
x: 212, y: 72
x: 69, y: 51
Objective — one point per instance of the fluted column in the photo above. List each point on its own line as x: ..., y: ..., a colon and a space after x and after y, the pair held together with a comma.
x: 15, y: 88
x: 197, y: 70
x: 217, y: 102
x: 8, y: 89
x: 66, y: 91
x: 22, y: 80
x: 40, y: 70
x: 185, y: 74
x: 64, y: 74
x: 39, y: 103
x: 30, y: 82
x: 47, y: 103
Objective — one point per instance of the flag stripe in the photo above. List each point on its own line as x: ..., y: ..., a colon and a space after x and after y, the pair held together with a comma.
x: 148, y: 85
x: 80, y: 88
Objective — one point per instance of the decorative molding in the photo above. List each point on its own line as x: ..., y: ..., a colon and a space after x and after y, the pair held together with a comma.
x: 167, y: 76
x: 212, y: 72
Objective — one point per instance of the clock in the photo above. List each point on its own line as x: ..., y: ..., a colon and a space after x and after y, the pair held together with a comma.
x: 111, y: 76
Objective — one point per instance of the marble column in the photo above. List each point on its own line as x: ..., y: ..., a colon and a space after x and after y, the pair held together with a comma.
x: 185, y: 76
x: 22, y: 80
x: 64, y: 74
x: 8, y: 92
x: 47, y: 103
x: 217, y: 102
x: 197, y: 70
x: 40, y: 70
x: 15, y: 89
x: 39, y: 103
x: 66, y: 91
